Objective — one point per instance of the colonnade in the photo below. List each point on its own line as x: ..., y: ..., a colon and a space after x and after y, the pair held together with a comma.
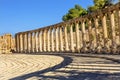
x: 98, y: 32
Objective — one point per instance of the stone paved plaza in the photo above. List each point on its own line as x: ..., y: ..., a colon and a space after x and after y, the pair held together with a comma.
x: 62, y: 66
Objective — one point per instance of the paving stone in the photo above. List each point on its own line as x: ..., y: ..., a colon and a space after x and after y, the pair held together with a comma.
x: 59, y: 67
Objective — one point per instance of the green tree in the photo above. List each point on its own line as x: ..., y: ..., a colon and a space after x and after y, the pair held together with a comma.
x: 100, y: 4
x: 78, y: 11
x: 75, y: 12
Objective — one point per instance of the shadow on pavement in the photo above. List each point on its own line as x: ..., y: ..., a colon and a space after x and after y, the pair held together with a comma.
x: 72, y: 74
x: 66, y: 61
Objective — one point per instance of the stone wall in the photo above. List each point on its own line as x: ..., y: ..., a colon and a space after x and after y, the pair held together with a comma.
x: 7, y: 43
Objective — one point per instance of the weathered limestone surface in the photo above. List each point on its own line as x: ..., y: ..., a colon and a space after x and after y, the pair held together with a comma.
x: 7, y: 43
x: 98, y: 32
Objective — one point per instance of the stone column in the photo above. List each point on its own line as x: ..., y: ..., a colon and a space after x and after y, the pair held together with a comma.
x: 56, y: 39
x: 24, y: 42
x: 105, y: 34
x: 97, y: 34
x: 61, y: 39
x: 119, y: 23
x: 104, y: 28
x: 77, y: 37
x: 52, y: 40
x: 48, y: 40
x: 34, y: 41
x: 17, y: 37
x: 23, y: 35
x: 91, y: 37
x: 80, y: 35
x: 44, y: 39
x: 71, y: 39
x: 16, y: 42
x: 118, y: 14
x: 31, y: 42
x: 21, y: 43
x: 41, y: 40
x: 83, y: 49
x: 112, y: 21
x: 38, y: 40
x: 96, y: 31
x: 66, y: 38
x: 27, y: 43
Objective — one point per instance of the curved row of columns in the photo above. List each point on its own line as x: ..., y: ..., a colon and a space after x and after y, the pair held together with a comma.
x: 95, y: 32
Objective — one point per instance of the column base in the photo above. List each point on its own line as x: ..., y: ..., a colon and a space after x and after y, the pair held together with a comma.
x: 106, y: 50
x: 84, y: 50
x: 114, y: 50
x: 98, y: 50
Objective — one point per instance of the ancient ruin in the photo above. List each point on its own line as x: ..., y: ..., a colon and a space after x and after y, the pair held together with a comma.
x: 7, y: 43
x: 98, y: 32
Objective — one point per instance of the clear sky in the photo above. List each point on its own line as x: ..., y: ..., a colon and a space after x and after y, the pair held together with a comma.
x: 23, y: 15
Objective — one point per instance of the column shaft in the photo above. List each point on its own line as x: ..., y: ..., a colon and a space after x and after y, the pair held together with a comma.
x: 23, y: 35
x: 66, y: 38
x: 34, y: 40
x: 24, y: 42
x: 44, y: 39
x: 31, y: 42
x: 16, y: 42
x: 56, y: 39
x: 71, y: 39
x: 52, y: 40
x: 20, y: 42
x: 41, y: 41
x: 91, y: 37
x: 27, y: 43
x: 38, y: 41
x: 106, y: 48
x: 48, y: 40
x: 37, y: 36
x: 119, y: 24
x: 83, y: 37
x: 96, y: 31
x: 77, y: 38
x: 61, y: 39
x: 104, y: 29
x: 112, y: 21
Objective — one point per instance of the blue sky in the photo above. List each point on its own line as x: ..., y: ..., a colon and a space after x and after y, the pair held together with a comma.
x: 23, y: 15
